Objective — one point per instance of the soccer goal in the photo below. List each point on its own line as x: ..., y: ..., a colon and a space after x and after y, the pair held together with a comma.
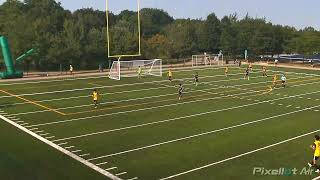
x: 130, y: 68
x: 207, y: 59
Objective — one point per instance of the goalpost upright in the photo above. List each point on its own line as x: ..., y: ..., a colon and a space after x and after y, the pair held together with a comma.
x: 152, y: 67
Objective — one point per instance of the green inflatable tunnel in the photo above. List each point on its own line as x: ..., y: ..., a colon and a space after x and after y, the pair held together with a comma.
x: 10, y: 70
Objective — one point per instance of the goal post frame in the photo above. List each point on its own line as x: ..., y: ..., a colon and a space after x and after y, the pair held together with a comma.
x: 108, y: 34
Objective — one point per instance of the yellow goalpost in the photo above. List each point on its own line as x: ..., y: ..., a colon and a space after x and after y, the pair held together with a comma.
x: 108, y: 34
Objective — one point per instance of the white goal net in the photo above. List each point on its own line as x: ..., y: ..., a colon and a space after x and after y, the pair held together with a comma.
x: 130, y: 68
x: 207, y: 59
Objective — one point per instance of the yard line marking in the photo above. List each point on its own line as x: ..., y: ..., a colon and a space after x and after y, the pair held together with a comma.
x: 50, y: 137
x: 32, y: 102
x: 69, y: 147
x: 289, y: 105
x: 83, y: 155
x: 142, y: 98
x: 122, y: 173
x: 39, y: 131
x: 108, y: 169
x: 280, y: 104
x: 75, y: 151
x: 135, y: 178
x: 33, y: 129
x: 64, y: 151
x: 20, y: 121
x: 53, y: 80
x: 108, y: 86
x: 102, y: 163
x: 44, y: 134
x: 202, y: 134
x: 125, y: 112
x: 241, y: 155
x: 23, y: 124
x: 298, y: 107
x: 64, y: 143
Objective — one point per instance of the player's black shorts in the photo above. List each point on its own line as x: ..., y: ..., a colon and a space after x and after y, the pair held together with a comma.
x: 196, y: 80
x: 315, y: 158
x: 170, y: 77
x: 283, y: 81
x: 180, y: 93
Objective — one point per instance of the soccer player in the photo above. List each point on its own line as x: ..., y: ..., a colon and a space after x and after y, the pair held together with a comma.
x: 180, y: 90
x: 283, y: 80
x: 170, y: 75
x: 95, y: 96
x: 264, y: 71
x: 239, y: 63
x: 196, y: 78
x: 316, y: 148
x: 246, y: 75
x: 226, y: 71
x: 274, y: 81
x: 250, y: 67
x: 139, y: 72
x: 71, y: 69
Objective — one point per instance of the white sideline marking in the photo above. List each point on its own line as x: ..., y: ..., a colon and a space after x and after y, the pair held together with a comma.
x: 64, y: 151
x: 122, y: 173
x: 108, y: 169
x: 202, y: 134
x: 102, y: 163
x: 64, y: 143
x: 173, y: 119
x: 240, y: 155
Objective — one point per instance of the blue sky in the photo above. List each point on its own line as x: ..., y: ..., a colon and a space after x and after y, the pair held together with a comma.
x: 297, y: 13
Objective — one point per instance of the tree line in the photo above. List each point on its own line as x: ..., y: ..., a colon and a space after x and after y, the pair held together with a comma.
x: 62, y: 37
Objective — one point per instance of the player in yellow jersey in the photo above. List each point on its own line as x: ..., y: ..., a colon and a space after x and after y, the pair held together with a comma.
x: 274, y: 81
x: 95, y: 97
x: 170, y: 75
x: 226, y: 71
x: 139, y: 72
x: 250, y: 67
x: 316, y: 148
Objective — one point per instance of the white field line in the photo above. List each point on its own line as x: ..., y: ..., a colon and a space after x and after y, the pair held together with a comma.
x: 241, y: 155
x: 64, y: 151
x: 122, y: 173
x: 130, y: 91
x: 108, y: 169
x: 317, y: 178
x: 135, y: 178
x: 162, y: 106
x: 83, y: 155
x: 53, y: 80
x: 202, y: 134
x: 122, y: 112
x: 63, y: 143
x: 102, y: 163
x: 149, y: 97
x: 108, y: 86
x: 179, y: 118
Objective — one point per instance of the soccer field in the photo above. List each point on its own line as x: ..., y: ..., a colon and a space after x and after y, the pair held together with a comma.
x: 221, y: 129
